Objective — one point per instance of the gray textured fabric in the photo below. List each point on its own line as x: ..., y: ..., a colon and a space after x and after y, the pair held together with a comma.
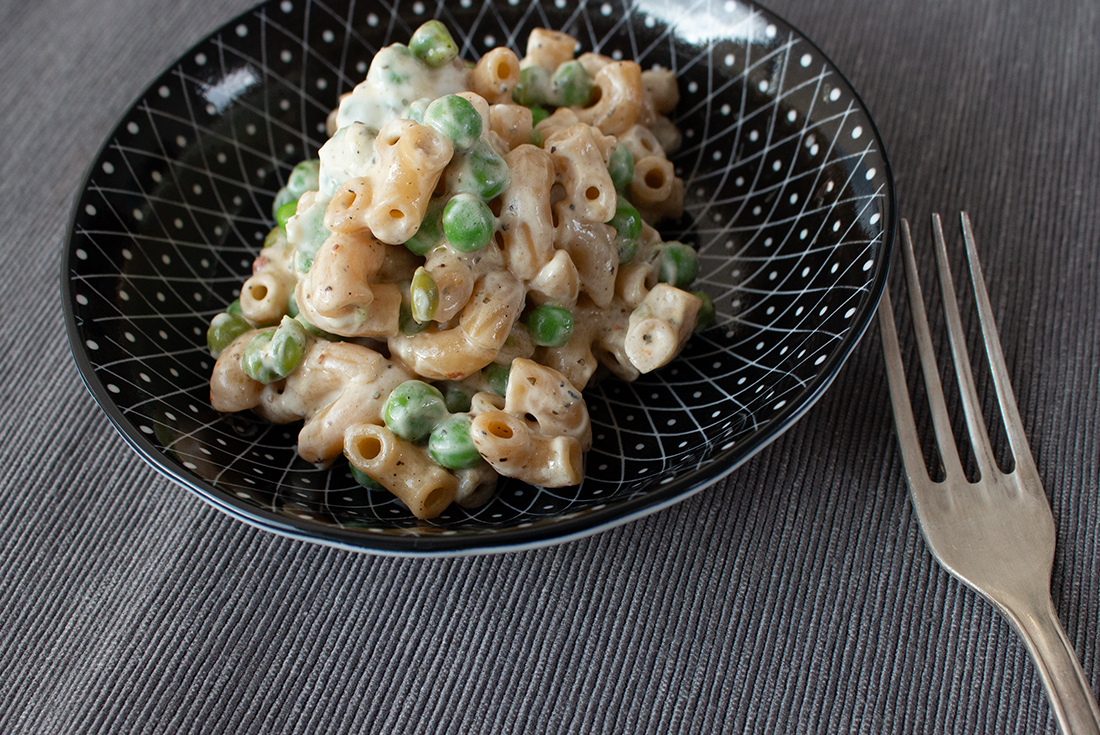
x: 796, y: 596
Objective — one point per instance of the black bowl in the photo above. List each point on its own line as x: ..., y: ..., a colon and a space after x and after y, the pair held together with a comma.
x: 789, y: 201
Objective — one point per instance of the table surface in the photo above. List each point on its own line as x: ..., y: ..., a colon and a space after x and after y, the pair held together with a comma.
x: 795, y: 596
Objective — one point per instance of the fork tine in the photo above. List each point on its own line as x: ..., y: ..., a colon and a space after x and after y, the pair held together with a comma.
x: 904, y: 422
x: 964, y: 371
x: 941, y: 422
x: 1014, y: 427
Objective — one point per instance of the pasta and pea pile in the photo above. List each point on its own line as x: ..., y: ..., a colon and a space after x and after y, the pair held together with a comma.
x: 474, y: 243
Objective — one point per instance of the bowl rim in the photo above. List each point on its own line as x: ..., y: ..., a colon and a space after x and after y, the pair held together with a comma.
x: 522, y: 537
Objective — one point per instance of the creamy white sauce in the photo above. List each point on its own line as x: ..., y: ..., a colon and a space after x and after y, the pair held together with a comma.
x: 397, y: 78
x: 346, y: 155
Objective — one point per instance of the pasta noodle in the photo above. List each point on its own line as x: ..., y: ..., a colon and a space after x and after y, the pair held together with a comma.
x: 472, y: 246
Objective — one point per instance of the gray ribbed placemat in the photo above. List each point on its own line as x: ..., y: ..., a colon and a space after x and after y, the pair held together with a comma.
x: 795, y: 597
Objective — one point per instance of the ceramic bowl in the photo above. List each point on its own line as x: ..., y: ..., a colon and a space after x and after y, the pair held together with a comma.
x: 789, y: 200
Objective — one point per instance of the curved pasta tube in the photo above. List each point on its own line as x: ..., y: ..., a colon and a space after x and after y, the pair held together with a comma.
x: 580, y: 159
x: 593, y: 62
x: 656, y: 191
x: 494, y: 307
x: 514, y: 450
x: 592, y: 250
x: 526, y: 222
x: 483, y: 328
x: 445, y: 354
x: 338, y: 385
x: 230, y: 387
x: 265, y: 295
x: 575, y: 359
x: 634, y: 281
x: 562, y: 118
x: 483, y: 402
x: 641, y: 142
x: 546, y: 395
x: 513, y: 123
x: 619, y: 100
x: 381, y: 318
x: 659, y: 327
x: 495, y: 74
x: 350, y: 206
x: 404, y: 469
x: 409, y: 159
x: 336, y: 295
x: 558, y: 282
x: 548, y: 49
x: 660, y: 84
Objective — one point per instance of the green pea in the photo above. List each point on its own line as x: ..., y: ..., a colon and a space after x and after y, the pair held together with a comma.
x: 430, y: 232
x: 224, y: 328
x: 282, y: 197
x: 536, y: 138
x: 538, y: 114
x: 433, y: 44
x: 292, y: 309
x: 496, y: 377
x: 457, y: 399
x: 451, y: 445
x: 415, y: 110
x: 285, y: 212
x: 570, y: 85
x: 274, y: 354
x: 491, y: 173
x: 413, y: 410
x: 254, y: 358
x: 621, y: 167
x: 456, y: 118
x: 235, y: 308
x: 532, y: 88
x: 679, y: 264
x: 550, y: 326
x: 628, y: 228
x: 364, y: 479
x: 423, y: 296
x: 468, y: 223
x: 481, y: 171
x: 304, y: 177
x: 706, y: 312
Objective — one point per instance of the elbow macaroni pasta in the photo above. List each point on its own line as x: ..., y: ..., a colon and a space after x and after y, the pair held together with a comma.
x: 483, y: 230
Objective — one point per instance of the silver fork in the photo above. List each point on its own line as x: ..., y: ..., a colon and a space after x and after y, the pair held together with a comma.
x: 995, y: 535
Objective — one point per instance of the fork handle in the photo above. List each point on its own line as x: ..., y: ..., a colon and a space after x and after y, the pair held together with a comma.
x: 1071, y: 699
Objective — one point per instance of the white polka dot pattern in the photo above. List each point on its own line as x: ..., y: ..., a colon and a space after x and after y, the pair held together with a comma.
x: 789, y: 201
